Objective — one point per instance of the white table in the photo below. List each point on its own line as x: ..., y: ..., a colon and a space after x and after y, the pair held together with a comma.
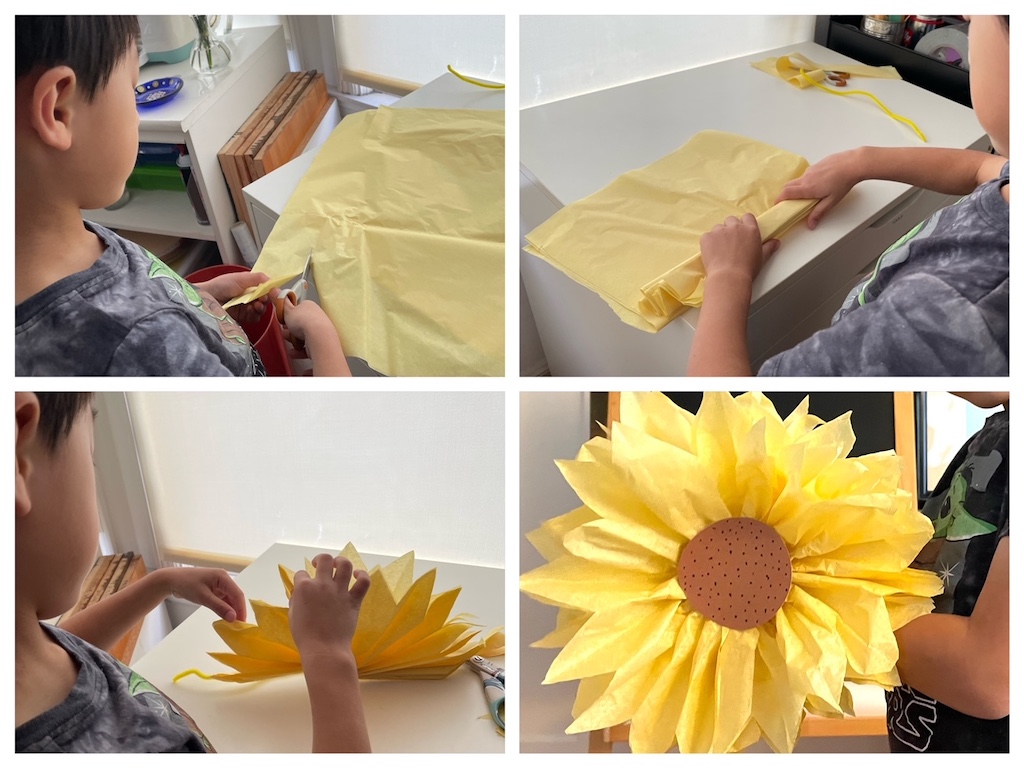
x: 572, y: 148
x: 203, y: 116
x: 273, y: 715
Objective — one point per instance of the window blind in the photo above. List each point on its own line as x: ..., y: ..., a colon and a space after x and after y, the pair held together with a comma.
x: 229, y: 474
x: 400, y: 53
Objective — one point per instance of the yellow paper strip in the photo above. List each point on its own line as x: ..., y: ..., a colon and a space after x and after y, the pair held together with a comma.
x: 788, y: 68
x: 259, y: 291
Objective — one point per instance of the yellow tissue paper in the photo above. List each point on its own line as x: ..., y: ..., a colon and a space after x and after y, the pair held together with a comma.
x: 404, y: 210
x: 404, y: 632
x: 636, y: 242
x: 651, y: 493
x: 788, y: 68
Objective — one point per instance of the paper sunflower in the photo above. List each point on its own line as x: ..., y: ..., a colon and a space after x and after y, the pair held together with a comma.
x: 727, y: 573
x: 404, y: 632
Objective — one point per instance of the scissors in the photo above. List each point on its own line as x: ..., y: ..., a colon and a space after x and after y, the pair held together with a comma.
x: 494, y: 687
x: 297, y: 292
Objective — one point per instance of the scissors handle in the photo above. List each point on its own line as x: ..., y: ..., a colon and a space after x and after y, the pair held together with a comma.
x: 279, y: 303
x: 494, y: 692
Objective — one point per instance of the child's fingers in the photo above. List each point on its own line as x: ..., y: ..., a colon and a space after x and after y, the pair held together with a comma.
x: 225, y: 588
x: 792, y: 191
x: 359, y: 589
x: 250, y: 279
x: 818, y: 211
x: 220, y: 607
x: 342, y: 570
x: 324, y: 566
x: 768, y: 249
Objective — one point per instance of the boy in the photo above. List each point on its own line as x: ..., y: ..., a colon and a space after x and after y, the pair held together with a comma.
x: 71, y: 696
x: 955, y: 662
x: 88, y: 301
x: 937, y: 303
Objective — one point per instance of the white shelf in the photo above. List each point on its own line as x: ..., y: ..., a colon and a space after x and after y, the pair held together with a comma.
x: 162, y: 212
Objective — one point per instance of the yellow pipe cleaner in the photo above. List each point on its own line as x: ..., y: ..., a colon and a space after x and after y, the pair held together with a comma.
x: 889, y: 112
x: 474, y: 81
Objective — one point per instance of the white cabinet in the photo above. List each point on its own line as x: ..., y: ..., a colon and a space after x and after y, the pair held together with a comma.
x: 203, y: 116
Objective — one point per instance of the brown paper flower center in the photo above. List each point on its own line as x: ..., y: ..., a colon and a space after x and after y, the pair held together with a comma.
x: 736, y: 572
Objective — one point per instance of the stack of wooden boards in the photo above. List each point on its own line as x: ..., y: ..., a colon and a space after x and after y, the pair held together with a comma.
x: 110, y: 574
x: 274, y: 134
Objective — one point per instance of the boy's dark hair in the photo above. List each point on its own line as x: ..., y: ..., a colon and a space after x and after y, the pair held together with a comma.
x: 91, y: 45
x: 57, y: 414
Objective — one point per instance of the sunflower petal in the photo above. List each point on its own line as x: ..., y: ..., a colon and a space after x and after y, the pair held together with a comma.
x: 609, y: 639
x: 670, y: 482
x: 627, y: 546
x: 630, y: 684
x: 572, y: 582
x: 656, y: 719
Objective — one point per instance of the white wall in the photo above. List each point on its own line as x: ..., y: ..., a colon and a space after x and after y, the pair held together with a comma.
x: 418, y: 49
x: 563, y: 56
x: 553, y: 425
x: 232, y: 473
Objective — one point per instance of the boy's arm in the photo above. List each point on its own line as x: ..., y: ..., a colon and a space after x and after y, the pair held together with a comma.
x: 950, y: 171
x: 733, y: 256
x: 323, y: 613
x: 964, y: 661
x: 307, y: 321
x: 339, y: 724
x: 106, y: 622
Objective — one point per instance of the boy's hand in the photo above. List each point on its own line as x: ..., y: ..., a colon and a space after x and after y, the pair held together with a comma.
x: 323, y: 610
x: 307, y: 320
x: 312, y: 334
x: 828, y: 181
x: 734, y: 249
x: 223, y: 288
x: 209, y: 587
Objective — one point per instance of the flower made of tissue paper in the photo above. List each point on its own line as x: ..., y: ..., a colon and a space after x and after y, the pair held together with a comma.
x: 727, y: 572
x: 404, y: 632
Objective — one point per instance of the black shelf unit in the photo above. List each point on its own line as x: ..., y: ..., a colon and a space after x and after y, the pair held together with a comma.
x: 842, y: 34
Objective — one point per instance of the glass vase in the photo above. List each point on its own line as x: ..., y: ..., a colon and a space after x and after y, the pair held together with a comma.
x: 209, y: 53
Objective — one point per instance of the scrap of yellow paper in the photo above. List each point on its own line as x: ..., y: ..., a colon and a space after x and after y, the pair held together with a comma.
x: 404, y: 632
x: 404, y: 210
x: 796, y: 69
x: 788, y: 68
x: 259, y: 291
x: 637, y: 241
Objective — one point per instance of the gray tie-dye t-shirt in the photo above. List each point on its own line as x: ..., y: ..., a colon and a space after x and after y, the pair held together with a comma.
x: 937, y: 304
x: 129, y: 314
x: 110, y: 709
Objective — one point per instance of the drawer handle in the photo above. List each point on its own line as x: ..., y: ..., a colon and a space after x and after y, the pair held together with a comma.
x: 895, y: 213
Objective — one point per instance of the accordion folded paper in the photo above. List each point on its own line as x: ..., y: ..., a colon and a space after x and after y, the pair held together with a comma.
x: 404, y: 210
x: 636, y: 242
x: 727, y: 573
x: 404, y: 631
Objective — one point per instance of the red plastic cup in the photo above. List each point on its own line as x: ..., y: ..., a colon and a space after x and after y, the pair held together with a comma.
x: 265, y: 334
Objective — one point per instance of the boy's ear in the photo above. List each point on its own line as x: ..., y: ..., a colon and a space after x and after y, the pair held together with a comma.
x: 26, y: 426
x: 53, y: 98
